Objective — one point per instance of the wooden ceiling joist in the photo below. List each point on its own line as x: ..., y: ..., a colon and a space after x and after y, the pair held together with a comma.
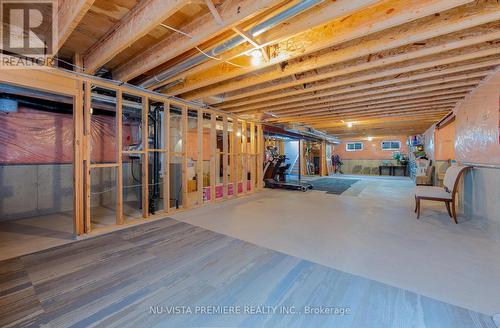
x: 232, y: 13
x: 355, y: 92
x: 362, y: 25
x: 144, y: 17
x: 70, y: 13
x: 369, y: 108
x: 316, y: 16
x: 401, y: 100
x: 364, y: 114
x: 361, y: 64
x: 355, y: 84
x: 408, y: 94
x: 391, y: 66
x: 436, y: 66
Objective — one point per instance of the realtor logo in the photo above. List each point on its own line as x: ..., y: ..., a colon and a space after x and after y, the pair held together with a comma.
x: 29, y: 29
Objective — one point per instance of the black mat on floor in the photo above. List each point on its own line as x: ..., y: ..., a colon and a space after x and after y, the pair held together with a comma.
x: 333, y: 185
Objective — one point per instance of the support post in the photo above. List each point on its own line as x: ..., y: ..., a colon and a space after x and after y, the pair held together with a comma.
x: 213, y: 153
x: 199, y: 163
x: 119, y: 158
x: 86, y: 153
x: 184, y: 122
x: 166, y: 159
x: 145, y: 158
x: 225, y: 151
x: 78, y: 162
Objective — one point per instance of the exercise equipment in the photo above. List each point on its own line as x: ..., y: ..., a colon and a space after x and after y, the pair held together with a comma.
x: 275, y: 173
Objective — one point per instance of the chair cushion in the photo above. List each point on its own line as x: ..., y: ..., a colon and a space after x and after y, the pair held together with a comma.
x: 432, y: 192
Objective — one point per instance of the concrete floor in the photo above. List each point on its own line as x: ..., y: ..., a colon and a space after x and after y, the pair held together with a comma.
x: 132, y: 277
x: 371, y: 231
x: 29, y: 235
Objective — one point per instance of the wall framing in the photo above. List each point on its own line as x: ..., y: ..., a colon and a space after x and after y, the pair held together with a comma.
x: 79, y: 88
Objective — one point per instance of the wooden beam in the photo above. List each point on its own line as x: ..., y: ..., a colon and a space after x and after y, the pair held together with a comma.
x: 349, y: 53
x: 347, y: 115
x: 225, y: 156
x: 317, y: 15
x: 353, y: 92
x: 199, y: 163
x: 213, y: 153
x: 358, y: 25
x: 260, y: 158
x: 382, y: 112
x: 250, y: 39
x: 145, y: 158
x: 70, y: 13
x: 119, y: 158
x: 202, y: 29
x: 372, y: 95
x: 399, y: 98
x: 244, y: 156
x: 236, y: 155
x: 252, y: 156
x: 166, y: 159
x: 390, y: 72
x: 398, y: 84
x: 365, y: 122
x: 392, y: 103
x: 87, y: 102
x: 144, y: 17
x: 185, y: 126
x: 214, y: 12
x: 78, y: 162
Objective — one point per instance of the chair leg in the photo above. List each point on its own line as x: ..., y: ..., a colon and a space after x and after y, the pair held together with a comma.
x: 415, y: 204
x: 418, y: 208
x: 453, y: 211
x: 448, y: 208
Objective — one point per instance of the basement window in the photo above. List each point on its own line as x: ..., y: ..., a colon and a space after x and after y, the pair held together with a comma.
x: 354, y: 146
x: 390, y: 145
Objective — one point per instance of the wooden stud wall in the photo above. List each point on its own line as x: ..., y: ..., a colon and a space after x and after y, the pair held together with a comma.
x: 236, y: 149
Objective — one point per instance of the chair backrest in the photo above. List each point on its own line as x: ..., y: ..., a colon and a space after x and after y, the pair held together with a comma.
x: 452, y: 176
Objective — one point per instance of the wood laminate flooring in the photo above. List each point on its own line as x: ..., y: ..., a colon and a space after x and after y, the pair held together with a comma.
x: 135, y: 277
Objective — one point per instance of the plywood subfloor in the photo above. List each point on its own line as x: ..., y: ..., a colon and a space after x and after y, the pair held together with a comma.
x: 122, y: 279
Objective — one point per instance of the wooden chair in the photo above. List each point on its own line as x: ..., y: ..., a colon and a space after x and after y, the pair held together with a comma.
x: 446, y: 194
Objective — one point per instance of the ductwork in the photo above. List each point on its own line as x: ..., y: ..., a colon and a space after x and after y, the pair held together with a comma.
x: 310, y: 132
x: 232, y: 43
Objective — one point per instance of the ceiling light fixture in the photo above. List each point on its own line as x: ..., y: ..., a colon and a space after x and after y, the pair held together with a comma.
x: 349, y: 124
x: 256, y: 55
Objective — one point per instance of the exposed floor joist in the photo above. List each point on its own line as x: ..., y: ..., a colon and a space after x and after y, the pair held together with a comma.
x: 145, y: 16
x: 70, y: 13
x: 356, y: 26
x: 316, y: 16
x: 320, y: 60
x: 359, y: 91
x: 233, y: 13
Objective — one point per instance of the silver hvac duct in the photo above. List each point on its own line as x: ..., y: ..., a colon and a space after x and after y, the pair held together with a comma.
x: 232, y: 43
x: 310, y: 132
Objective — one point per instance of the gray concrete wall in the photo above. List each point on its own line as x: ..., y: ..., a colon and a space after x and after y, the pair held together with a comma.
x: 31, y: 190
x: 481, y: 196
